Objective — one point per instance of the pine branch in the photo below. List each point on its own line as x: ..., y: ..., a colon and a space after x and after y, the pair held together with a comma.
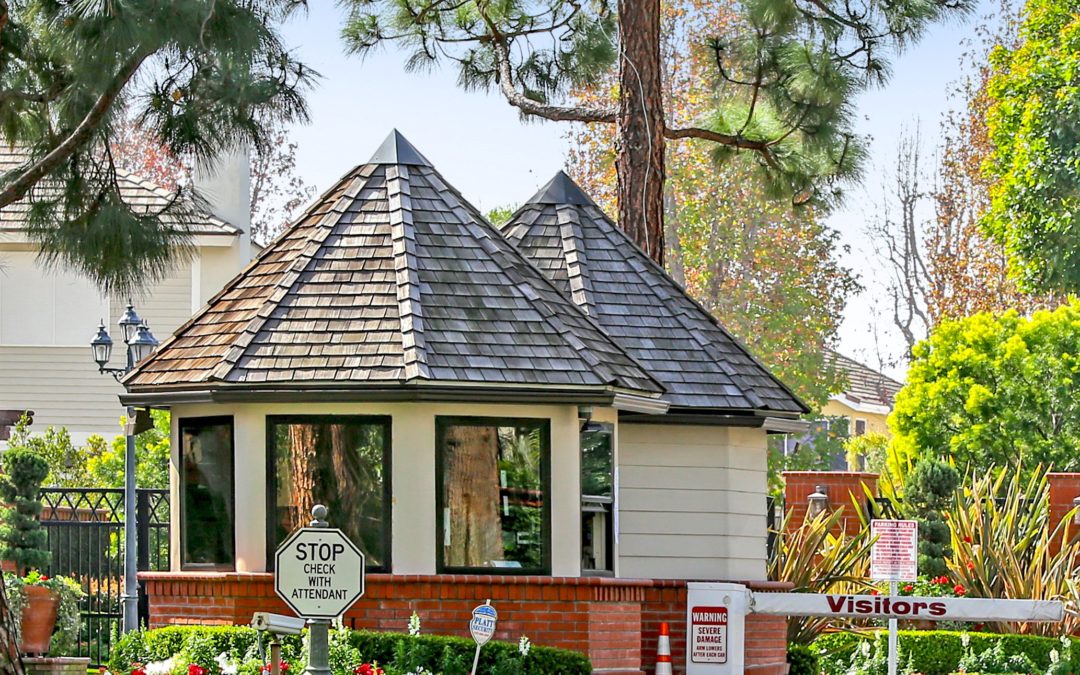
x: 545, y: 110
x: 18, y: 188
x: 764, y: 148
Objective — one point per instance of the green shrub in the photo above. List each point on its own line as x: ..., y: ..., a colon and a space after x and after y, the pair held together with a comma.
x: 937, y: 652
x: 803, y: 660
x: 22, y: 539
x: 439, y: 653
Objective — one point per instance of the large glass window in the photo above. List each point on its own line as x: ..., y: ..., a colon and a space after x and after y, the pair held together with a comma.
x: 340, y: 461
x: 493, y: 494
x: 208, y: 513
x: 597, y: 499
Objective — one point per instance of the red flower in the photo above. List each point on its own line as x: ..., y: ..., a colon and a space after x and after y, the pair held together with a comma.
x: 875, y: 592
x: 44, y: 578
x: 909, y: 588
x: 941, y: 580
x: 137, y: 669
x: 196, y: 669
x: 282, y: 667
x: 959, y: 589
x: 967, y: 540
x: 368, y: 669
x: 970, y: 565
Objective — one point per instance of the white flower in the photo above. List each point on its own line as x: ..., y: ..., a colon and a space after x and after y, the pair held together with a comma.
x: 1066, y: 645
x: 865, y: 648
x: 524, y: 646
x: 226, y: 666
x: 414, y: 624
x: 1054, y: 656
x: 160, y: 667
x: 965, y: 640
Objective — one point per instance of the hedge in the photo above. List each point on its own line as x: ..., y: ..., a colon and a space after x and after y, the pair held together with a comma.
x: 936, y: 652
x: 434, y: 652
x: 803, y: 660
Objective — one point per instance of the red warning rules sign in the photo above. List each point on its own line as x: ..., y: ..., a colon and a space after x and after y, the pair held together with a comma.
x: 708, y: 634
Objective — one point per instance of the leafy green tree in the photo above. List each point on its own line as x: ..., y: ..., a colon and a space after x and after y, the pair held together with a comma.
x: 817, y: 450
x: 993, y: 391
x: 1034, y: 126
x: 784, y: 79
x: 928, y: 493
x: 201, y: 75
x: 99, y: 463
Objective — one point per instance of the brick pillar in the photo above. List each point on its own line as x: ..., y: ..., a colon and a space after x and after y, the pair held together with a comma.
x: 839, y: 485
x: 1064, y: 488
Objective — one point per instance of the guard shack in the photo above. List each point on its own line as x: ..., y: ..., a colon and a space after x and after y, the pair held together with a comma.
x: 537, y: 415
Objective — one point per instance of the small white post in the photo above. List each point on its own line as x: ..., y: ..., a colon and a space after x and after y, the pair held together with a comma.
x: 892, y: 634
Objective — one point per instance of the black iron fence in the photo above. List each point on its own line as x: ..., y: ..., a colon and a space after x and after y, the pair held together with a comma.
x: 86, y: 536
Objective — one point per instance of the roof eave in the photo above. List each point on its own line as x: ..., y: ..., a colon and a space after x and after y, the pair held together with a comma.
x: 164, y: 396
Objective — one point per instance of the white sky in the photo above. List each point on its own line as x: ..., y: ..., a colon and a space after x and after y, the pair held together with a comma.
x: 480, y: 144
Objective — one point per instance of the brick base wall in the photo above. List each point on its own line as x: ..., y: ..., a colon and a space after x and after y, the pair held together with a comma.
x: 614, y: 621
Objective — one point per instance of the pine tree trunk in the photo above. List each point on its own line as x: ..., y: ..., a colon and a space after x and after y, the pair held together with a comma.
x: 472, y: 494
x: 302, y: 472
x: 640, y: 160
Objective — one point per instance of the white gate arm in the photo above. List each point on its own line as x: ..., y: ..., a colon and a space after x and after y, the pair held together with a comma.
x: 906, y: 607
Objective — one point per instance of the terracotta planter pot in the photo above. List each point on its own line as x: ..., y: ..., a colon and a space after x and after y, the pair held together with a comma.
x: 38, y: 619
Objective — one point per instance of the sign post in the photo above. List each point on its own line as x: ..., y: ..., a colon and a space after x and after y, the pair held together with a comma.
x: 482, y: 628
x: 319, y: 573
x: 894, y: 556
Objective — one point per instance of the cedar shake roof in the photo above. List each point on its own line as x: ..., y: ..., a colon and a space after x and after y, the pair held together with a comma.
x: 137, y: 192
x: 864, y: 384
x: 390, y: 278
x: 584, y: 253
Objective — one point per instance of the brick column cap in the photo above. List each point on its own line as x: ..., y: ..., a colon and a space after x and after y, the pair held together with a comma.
x: 827, y: 474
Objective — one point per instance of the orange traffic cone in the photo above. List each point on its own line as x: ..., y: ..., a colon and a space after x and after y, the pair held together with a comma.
x: 663, y: 651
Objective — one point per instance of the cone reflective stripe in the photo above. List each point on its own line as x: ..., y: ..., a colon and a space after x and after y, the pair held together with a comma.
x: 663, y: 651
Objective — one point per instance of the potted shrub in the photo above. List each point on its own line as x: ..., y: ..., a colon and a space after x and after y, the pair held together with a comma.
x: 35, y: 599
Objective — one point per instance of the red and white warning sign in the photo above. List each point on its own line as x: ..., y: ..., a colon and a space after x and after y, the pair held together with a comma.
x: 709, y: 634
x: 895, y: 552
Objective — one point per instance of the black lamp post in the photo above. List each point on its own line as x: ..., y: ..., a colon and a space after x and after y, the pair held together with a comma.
x: 140, y: 343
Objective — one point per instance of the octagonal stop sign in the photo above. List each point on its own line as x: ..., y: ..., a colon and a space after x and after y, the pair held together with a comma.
x: 319, y: 572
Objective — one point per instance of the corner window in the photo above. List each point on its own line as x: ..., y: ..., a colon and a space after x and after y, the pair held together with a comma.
x: 340, y: 461
x: 860, y: 427
x: 207, y: 495
x: 597, y: 499
x: 493, y: 483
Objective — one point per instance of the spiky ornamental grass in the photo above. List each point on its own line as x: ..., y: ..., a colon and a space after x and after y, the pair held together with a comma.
x: 203, y: 76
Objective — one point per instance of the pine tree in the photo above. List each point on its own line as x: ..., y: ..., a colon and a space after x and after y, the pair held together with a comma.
x: 201, y: 75
x: 783, y: 83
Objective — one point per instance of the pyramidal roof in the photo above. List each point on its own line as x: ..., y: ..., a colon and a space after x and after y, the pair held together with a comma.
x: 391, y: 278
x: 702, y: 366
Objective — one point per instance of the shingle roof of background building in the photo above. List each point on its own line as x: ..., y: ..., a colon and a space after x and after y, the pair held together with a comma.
x: 577, y: 246
x: 391, y: 277
x: 136, y: 191
x: 864, y: 384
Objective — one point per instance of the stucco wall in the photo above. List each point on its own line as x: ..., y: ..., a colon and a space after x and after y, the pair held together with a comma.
x: 692, y: 502
x: 413, y: 545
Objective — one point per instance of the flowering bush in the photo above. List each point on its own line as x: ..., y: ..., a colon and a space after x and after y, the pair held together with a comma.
x: 934, y: 587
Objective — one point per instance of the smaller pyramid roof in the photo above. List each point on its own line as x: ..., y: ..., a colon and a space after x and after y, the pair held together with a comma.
x: 702, y: 366
x: 391, y: 278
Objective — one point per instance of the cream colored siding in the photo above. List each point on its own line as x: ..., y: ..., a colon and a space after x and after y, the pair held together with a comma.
x: 62, y: 386
x: 691, y: 502
x: 165, y: 305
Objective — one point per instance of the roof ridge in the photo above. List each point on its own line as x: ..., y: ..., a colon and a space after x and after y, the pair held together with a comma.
x: 494, y: 235
x: 577, y: 262
x: 403, y: 237
x: 298, y: 266
x: 712, y: 319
